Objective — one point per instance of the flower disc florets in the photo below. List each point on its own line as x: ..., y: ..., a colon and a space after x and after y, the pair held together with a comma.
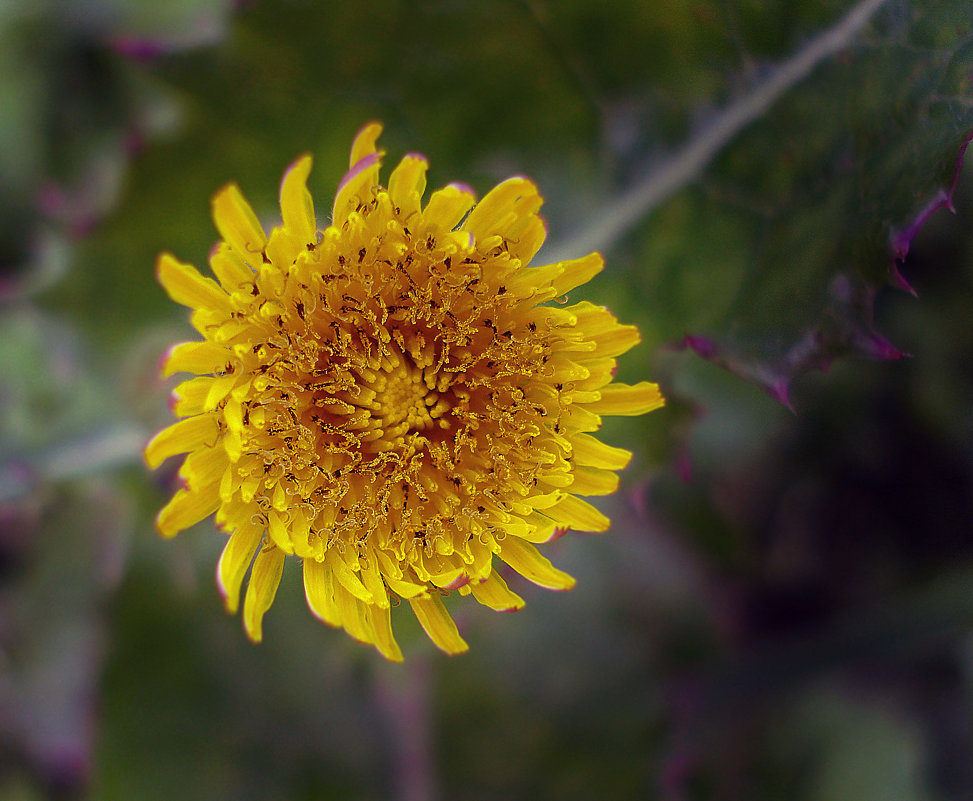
x: 389, y: 399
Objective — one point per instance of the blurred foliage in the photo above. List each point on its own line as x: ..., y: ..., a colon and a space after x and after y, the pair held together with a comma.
x: 784, y: 606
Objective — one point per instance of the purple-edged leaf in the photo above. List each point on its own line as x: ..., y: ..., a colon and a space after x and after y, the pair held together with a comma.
x: 832, y: 177
x: 847, y: 330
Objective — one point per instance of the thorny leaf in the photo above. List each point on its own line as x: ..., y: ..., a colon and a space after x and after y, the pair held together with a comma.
x: 847, y: 329
x: 861, y: 155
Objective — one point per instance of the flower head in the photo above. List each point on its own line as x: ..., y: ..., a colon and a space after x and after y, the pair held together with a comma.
x: 391, y: 399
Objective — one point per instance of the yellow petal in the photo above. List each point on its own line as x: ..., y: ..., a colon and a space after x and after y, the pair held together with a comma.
x: 441, y: 571
x: 593, y: 481
x: 196, y: 357
x: 264, y: 580
x: 617, y: 340
x: 219, y: 388
x: 237, y: 223
x: 534, y: 282
x: 525, y: 238
x: 541, y: 528
x: 363, y: 166
x: 300, y: 527
x: 204, y: 468
x: 189, y: 397
x: 590, y: 451
x: 184, y: 510
x: 601, y: 370
x: 403, y: 588
x: 230, y: 268
x: 280, y: 501
x: 495, y: 593
x: 578, y: 514
x: 502, y: 207
x: 448, y: 206
x: 277, y: 529
x: 355, y: 188
x: 576, y: 417
x: 407, y: 183
x: 441, y: 628
x: 234, y: 561
x: 283, y: 247
x: 233, y: 445
x: 232, y: 410
x: 345, y: 577
x: 186, y: 286
x: 364, y: 142
x: 622, y: 399
x: 319, y: 591
x: 182, y: 437
x: 381, y: 623
x: 528, y: 561
x: 482, y: 560
x: 372, y: 579
x: 229, y: 484
x: 399, y: 584
x: 296, y: 203
x: 599, y: 325
x: 544, y: 500
x: 577, y: 272
x: 353, y: 616
x: 565, y: 369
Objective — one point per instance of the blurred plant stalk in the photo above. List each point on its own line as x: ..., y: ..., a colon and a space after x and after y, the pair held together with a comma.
x: 629, y: 209
x: 109, y: 449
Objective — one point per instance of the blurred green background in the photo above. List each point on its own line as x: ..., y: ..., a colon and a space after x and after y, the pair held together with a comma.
x: 784, y: 606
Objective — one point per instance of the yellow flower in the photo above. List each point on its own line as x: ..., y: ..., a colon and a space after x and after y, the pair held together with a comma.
x: 390, y: 400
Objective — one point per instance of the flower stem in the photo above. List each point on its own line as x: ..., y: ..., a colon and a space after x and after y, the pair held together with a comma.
x: 403, y: 696
x: 685, y: 165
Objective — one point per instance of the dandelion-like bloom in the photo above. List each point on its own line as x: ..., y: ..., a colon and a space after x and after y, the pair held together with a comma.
x: 390, y: 399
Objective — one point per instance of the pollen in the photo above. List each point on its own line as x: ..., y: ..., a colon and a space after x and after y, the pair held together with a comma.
x: 395, y: 400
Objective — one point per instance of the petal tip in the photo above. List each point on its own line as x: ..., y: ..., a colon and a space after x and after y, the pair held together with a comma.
x: 460, y: 581
x: 370, y: 130
x: 231, y: 602
x: 364, y: 141
x: 163, y: 527
x: 558, y: 532
x: 297, y: 171
x: 462, y: 188
x: 152, y: 455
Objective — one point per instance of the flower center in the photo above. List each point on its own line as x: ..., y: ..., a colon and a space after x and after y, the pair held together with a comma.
x: 403, y: 402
